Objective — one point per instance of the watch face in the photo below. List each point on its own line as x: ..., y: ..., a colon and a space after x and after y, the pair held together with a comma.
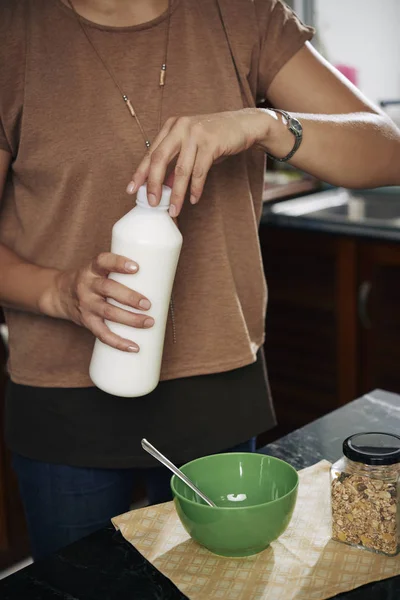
x: 295, y: 126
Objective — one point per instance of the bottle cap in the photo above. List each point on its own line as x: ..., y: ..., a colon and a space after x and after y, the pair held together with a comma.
x: 141, y: 198
x: 373, y: 448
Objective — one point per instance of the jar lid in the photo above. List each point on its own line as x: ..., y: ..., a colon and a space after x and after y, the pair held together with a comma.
x: 373, y: 448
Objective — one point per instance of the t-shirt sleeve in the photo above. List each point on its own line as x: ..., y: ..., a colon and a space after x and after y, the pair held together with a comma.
x: 282, y: 34
x: 12, y: 72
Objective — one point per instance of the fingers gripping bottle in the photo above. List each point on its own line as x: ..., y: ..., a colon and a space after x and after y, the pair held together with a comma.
x: 148, y: 236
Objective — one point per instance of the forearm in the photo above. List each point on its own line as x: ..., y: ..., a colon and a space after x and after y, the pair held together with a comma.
x: 357, y: 150
x: 27, y: 287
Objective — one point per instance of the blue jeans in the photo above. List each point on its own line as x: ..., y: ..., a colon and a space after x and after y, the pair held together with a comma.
x: 63, y: 504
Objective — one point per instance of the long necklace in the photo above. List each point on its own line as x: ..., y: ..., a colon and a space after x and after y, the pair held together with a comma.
x: 128, y: 102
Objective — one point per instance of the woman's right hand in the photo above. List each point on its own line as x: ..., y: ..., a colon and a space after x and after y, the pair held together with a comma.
x: 82, y: 298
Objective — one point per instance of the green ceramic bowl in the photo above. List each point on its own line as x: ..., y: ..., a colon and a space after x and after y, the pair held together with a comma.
x: 255, y: 497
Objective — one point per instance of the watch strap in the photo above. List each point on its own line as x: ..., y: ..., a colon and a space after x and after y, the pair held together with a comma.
x: 294, y: 126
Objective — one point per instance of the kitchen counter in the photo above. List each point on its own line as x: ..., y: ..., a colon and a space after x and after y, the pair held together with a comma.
x: 104, y: 566
x: 373, y: 214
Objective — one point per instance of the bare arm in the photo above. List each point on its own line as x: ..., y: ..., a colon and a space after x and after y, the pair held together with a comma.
x: 347, y: 141
x: 79, y: 296
x: 23, y: 285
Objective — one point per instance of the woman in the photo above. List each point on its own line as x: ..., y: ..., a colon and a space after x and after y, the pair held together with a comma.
x: 88, y: 90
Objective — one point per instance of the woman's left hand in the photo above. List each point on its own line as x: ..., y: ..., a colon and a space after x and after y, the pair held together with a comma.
x: 196, y: 142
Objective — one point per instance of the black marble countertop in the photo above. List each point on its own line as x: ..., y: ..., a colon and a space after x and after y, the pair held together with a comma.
x: 372, y: 214
x: 103, y: 566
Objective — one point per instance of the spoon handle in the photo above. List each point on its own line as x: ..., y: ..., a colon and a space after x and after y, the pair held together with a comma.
x: 167, y: 463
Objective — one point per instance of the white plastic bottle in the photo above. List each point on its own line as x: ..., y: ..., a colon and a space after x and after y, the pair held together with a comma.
x: 150, y: 237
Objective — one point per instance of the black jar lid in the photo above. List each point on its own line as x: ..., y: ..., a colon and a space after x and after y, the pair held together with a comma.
x: 373, y: 448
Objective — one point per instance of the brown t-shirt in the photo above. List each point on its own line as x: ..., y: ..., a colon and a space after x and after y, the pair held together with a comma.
x: 74, y: 147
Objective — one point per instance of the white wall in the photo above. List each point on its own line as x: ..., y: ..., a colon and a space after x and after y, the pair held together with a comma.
x: 363, y: 34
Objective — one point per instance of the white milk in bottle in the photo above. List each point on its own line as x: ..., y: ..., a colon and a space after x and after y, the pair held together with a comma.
x: 148, y: 236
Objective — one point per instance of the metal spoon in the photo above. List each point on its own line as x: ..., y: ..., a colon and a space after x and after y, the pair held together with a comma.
x: 167, y: 463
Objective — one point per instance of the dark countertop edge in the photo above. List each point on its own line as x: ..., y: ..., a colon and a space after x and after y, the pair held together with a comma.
x: 306, y: 446
x: 320, y: 225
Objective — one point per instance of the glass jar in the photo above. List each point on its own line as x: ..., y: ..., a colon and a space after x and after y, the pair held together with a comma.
x: 365, y: 492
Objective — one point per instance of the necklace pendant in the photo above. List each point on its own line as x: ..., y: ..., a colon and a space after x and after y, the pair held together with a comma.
x: 147, y: 143
x: 163, y: 74
x: 129, y: 105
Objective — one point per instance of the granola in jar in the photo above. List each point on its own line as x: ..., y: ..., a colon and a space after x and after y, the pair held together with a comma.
x: 365, y: 493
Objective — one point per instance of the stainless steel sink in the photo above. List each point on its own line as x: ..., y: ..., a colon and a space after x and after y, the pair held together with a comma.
x: 373, y: 208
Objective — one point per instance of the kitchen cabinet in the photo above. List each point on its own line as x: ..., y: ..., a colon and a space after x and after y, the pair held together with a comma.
x: 333, y: 320
x: 379, y: 316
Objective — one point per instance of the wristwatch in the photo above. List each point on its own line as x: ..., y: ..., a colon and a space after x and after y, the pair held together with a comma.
x: 294, y: 127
